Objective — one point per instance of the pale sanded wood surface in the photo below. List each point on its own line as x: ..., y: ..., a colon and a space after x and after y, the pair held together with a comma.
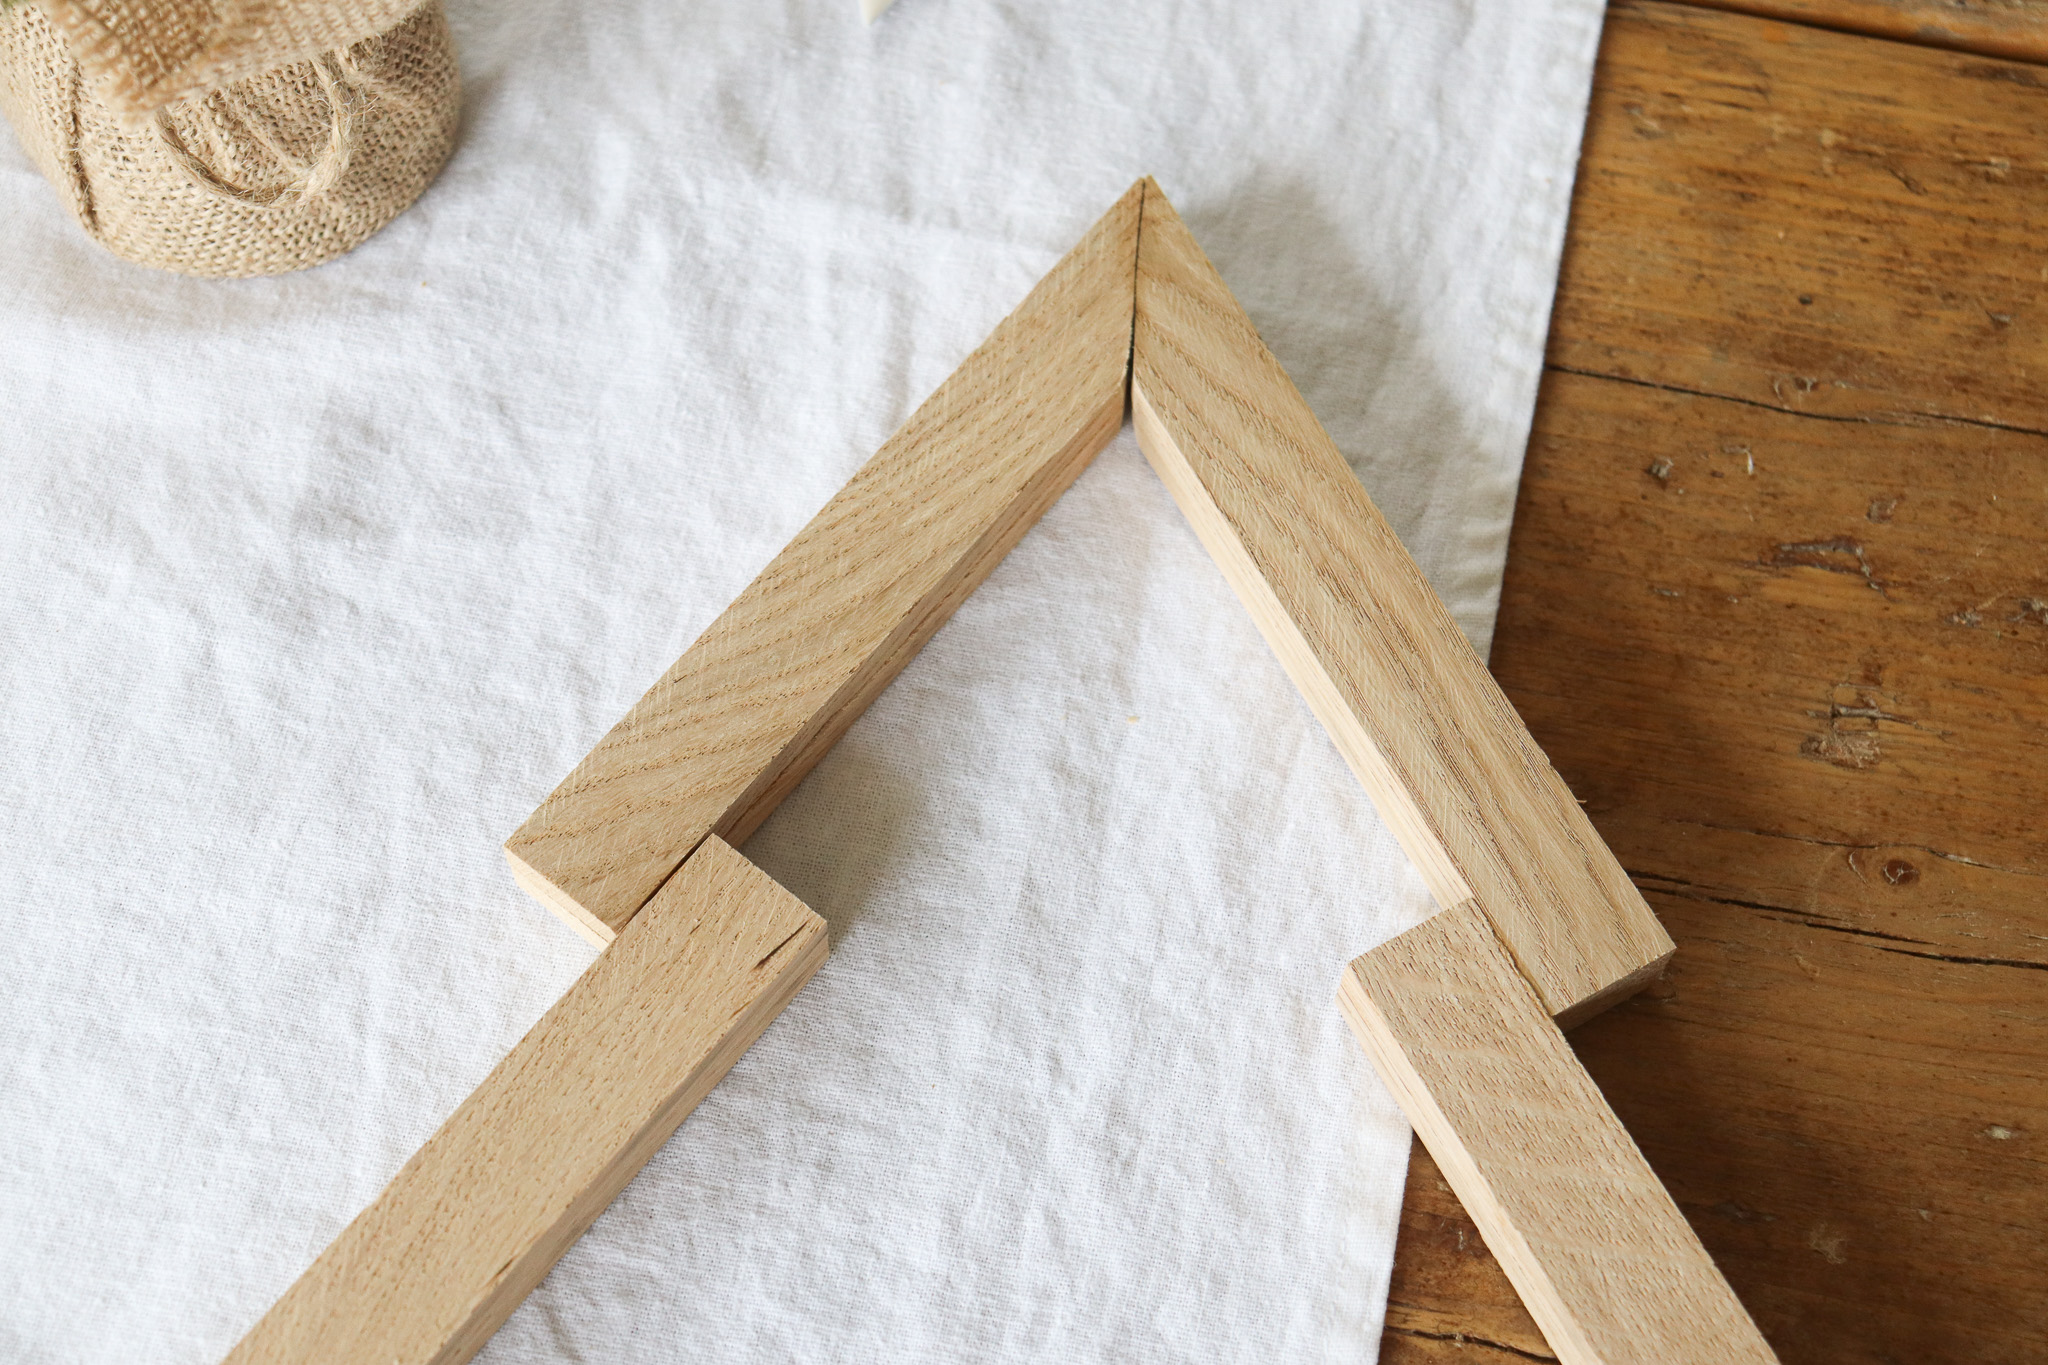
x: 727, y: 732
x: 1829, y: 782
x: 1602, y: 1258
x: 1447, y: 762
x: 478, y: 1216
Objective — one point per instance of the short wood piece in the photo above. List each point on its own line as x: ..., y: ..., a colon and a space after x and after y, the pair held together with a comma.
x: 478, y: 1216
x: 717, y: 743
x: 1603, y: 1259
x: 1447, y: 761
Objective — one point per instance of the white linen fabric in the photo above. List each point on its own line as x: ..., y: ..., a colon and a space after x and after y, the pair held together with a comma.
x: 314, y: 586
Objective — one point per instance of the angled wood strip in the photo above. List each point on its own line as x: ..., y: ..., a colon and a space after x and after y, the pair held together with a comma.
x: 1445, y: 758
x: 481, y: 1213
x: 776, y: 679
x: 1603, y: 1259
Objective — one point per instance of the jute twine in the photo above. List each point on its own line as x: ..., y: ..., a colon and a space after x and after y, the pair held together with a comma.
x: 275, y: 171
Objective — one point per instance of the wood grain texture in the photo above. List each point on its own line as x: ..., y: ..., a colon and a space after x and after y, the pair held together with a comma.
x: 727, y: 732
x: 1810, y: 221
x: 1447, y: 762
x: 1602, y: 1258
x: 1828, y: 782
x: 1997, y: 28
x: 478, y: 1216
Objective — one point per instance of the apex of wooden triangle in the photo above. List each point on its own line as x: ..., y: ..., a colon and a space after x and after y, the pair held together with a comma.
x: 1134, y: 307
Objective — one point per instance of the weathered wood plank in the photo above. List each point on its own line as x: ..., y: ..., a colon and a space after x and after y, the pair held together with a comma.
x: 480, y: 1214
x: 1849, y: 644
x: 1997, y: 28
x: 1810, y: 221
x: 731, y: 729
x: 1850, y: 1131
x: 1603, y: 1260
x: 1832, y: 782
x: 1448, y: 764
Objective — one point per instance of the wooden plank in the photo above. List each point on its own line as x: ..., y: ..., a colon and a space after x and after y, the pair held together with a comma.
x: 1851, y: 1129
x: 1756, y: 651
x: 478, y: 1216
x: 1809, y: 221
x: 2017, y: 29
x: 1450, y: 767
x: 728, y: 731
x: 1831, y: 794
x: 1601, y: 1256
x: 1401, y: 1346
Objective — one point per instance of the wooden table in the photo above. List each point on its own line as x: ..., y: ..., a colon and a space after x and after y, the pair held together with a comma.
x: 1777, y: 607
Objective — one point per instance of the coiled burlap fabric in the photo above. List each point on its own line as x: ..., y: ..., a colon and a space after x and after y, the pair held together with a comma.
x: 271, y: 172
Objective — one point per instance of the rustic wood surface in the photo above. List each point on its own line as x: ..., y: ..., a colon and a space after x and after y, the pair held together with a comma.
x: 1602, y: 1258
x: 1777, y: 607
x: 2002, y: 28
x: 1450, y: 767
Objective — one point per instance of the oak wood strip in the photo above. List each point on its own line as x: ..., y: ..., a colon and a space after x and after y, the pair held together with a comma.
x: 1810, y: 221
x: 1450, y: 767
x: 1603, y: 1260
x: 481, y: 1212
x: 728, y: 731
x: 2017, y: 29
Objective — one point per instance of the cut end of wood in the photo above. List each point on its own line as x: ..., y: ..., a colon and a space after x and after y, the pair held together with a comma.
x: 1602, y: 1001
x: 554, y: 898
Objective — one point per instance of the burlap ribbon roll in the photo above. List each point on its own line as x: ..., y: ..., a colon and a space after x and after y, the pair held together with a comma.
x: 220, y: 138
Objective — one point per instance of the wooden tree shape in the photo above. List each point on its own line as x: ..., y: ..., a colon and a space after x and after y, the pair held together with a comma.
x: 702, y: 949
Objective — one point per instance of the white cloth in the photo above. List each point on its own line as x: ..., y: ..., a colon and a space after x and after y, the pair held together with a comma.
x: 314, y: 586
